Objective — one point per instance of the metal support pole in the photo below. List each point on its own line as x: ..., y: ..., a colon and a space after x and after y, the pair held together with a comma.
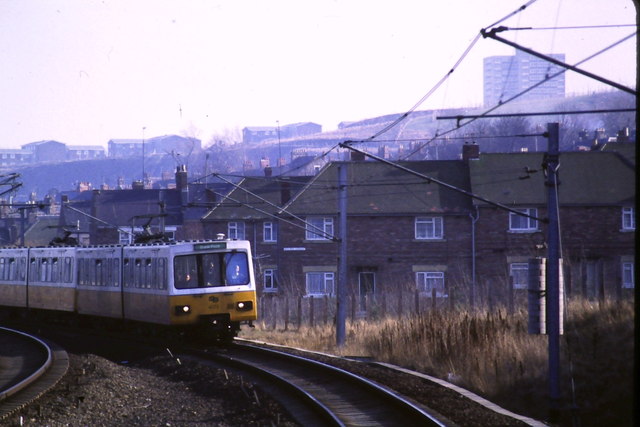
x: 342, y: 266
x: 553, y: 270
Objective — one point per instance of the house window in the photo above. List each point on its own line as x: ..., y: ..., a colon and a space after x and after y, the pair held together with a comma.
x: 269, y: 280
x: 429, y: 227
x: 320, y: 283
x: 269, y: 231
x: 627, y: 275
x: 521, y: 223
x: 236, y: 230
x: 519, y: 272
x: 319, y: 228
x: 426, y: 281
x: 628, y: 219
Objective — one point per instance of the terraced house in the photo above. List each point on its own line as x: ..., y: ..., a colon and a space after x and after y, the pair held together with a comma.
x: 408, y: 232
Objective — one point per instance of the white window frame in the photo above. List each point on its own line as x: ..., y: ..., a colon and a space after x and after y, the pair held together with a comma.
x: 269, y: 282
x: 324, y: 223
x: 628, y: 218
x: 523, y: 224
x: 426, y: 281
x: 326, y: 287
x: 269, y: 232
x: 628, y: 279
x: 520, y: 273
x: 429, y: 228
x: 235, y: 230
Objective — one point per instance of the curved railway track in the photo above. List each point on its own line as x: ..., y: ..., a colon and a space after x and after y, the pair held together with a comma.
x: 330, y: 395
x: 28, y: 368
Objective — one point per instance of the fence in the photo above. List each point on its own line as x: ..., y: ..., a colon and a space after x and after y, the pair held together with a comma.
x: 290, y: 312
x: 278, y: 311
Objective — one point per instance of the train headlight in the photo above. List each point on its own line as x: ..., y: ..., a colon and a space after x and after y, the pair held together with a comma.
x: 182, y: 310
x: 244, y: 305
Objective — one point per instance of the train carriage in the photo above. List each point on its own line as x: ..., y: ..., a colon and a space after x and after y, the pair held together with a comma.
x: 51, y: 277
x: 187, y: 286
x: 13, y: 277
x: 199, y: 284
x: 99, y: 290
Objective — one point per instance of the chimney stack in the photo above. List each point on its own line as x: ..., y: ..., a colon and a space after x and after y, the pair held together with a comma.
x: 182, y: 184
x: 357, y: 157
x: 181, y: 177
x: 470, y: 151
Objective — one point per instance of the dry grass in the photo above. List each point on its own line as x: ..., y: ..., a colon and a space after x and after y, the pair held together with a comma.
x: 492, y: 354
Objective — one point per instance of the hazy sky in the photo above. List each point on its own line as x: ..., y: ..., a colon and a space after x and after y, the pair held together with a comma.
x: 86, y: 71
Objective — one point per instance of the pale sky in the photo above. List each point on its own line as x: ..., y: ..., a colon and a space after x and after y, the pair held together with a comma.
x: 86, y: 71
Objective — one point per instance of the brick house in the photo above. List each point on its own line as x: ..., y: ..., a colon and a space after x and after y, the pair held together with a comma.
x: 250, y: 211
x: 406, y: 232
x: 597, y: 226
x: 399, y: 228
x: 115, y: 216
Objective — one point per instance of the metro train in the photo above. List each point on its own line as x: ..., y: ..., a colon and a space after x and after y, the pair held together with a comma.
x: 204, y: 287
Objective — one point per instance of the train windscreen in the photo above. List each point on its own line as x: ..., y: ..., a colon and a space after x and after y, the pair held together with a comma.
x: 210, y: 270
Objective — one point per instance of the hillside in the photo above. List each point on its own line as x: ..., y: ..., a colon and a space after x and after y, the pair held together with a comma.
x: 417, y: 137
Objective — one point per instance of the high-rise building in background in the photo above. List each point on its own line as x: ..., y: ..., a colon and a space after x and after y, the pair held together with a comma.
x: 506, y: 76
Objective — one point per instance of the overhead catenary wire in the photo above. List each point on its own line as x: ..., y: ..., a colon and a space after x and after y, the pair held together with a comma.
x: 495, y: 107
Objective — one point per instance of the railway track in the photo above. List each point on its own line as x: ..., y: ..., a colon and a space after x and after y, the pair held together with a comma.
x: 328, y: 395
x: 28, y: 368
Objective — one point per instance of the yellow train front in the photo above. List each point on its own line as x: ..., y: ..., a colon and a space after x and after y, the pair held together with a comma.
x: 208, y: 286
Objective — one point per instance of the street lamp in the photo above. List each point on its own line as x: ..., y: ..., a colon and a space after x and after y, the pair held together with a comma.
x: 143, y: 129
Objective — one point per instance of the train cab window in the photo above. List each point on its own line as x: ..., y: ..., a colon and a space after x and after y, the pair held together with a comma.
x: 212, y: 270
x: 237, y: 271
x: 186, y: 272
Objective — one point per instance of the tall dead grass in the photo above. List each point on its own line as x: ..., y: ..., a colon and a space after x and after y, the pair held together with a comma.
x: 491, y: 353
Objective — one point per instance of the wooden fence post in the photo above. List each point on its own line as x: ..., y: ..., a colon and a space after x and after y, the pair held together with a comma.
x: 299, y: 311
x: 383, y: 312
x: 353, y: 307
x: 434, y: 302
x: 511, y: 296
x: 417, y: 301
x: 326, y: 309
x: 274, y: 313
x: 286, y: 313
x: 311, y: 310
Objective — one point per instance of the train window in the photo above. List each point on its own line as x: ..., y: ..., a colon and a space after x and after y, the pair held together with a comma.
x: 55, y: 270
x: 137, y: 273
x: 22, y: 270
x: 237, y: 270
x: 99, y: 273
x: 13, y: 270
x: 68, y: 270
x: 148, y: 274
x: 33, y: 268
x: 127, y: 273
x: 116, y: 269
x: 3, y: 270
x: 186, y: 270
x: 162, y: 273
x: 45, y: 272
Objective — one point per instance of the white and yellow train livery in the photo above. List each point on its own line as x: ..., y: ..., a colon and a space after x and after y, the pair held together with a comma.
x: 195, y: 285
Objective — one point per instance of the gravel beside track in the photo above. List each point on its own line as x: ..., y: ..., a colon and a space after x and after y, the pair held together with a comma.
x: 158, y: 391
